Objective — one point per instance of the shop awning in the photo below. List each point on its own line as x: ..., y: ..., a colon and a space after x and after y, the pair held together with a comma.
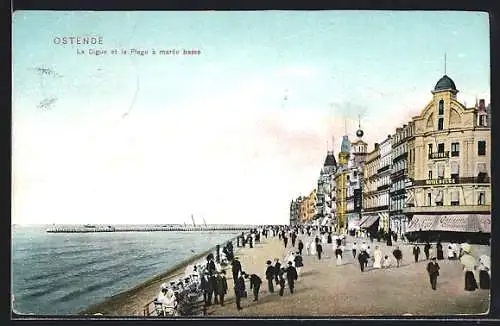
x: 369, y: 221
x: 452, y: 223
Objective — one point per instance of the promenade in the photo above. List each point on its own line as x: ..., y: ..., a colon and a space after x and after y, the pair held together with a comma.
x: 325, y: 289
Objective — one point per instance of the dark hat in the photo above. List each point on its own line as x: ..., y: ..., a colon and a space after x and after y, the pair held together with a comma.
x: 223, y: 272
x: 433, y: 258
x: 268, y: 262
x: 289, y: 263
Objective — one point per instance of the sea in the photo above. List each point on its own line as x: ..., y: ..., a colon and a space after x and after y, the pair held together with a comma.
x: 64, y: 273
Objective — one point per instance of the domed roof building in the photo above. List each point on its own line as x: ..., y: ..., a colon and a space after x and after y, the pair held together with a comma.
x: 445, y: 83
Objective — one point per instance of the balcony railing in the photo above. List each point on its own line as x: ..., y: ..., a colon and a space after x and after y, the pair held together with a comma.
x: 438, y: 155
x: 448, y: 209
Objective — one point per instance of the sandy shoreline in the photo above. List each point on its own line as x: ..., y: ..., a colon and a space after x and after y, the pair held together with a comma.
x: 131, y: 302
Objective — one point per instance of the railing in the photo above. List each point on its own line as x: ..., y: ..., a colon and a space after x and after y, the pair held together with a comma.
x: 438, y: 155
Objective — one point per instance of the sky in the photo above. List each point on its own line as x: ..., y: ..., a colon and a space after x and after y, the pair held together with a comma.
x: 229, y: 135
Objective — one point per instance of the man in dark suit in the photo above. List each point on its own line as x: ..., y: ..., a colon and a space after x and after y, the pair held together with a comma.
x: 212, y: 287
x: 270, y: 276
x: 277, y: 268
x: 291, y: 276
x: 416, y: 252
x: 205, y: 288
x: 221, y: 286
x: 301, y: 247
x: 255, y: 282
x: 236, y: 268
x: 239, y: 290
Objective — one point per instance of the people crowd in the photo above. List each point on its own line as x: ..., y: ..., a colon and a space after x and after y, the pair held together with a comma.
x: 209, y: 279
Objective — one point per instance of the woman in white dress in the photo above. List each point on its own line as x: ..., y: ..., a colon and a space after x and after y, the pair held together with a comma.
x: 312, y: 246
x: 377, y: 255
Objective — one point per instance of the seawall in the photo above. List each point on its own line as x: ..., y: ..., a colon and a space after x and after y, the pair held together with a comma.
x: 131, y: 302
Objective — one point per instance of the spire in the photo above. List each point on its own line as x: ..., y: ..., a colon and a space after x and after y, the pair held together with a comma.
x: 445, y: 63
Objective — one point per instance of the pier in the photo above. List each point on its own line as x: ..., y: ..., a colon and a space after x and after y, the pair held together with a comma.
x: 164, y: 228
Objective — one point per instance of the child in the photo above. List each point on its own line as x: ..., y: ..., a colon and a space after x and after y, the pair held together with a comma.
x: 387, y: 262
x: 433, y: 270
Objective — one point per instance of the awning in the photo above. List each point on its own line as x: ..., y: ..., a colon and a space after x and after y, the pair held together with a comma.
x: 410, y: 200
x: 454, y: 167
x: 453, y: 223
x: 354, y: 224
x: 370, y: 220
x: 454, y: 195
x: 439, y: 197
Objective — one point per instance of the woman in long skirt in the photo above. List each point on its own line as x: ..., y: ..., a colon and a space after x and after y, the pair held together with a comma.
x: 484, y: 272
x: 469, y: 265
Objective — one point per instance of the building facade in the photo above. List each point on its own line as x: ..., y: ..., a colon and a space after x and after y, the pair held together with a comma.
x: 355, y: 165
x: 295, y: 211
x: 324, y: 189
x: 399, y: 176
x: 384, y: 183
x: 449, y: 165
x: 369, y: 212
x: 341, y: 183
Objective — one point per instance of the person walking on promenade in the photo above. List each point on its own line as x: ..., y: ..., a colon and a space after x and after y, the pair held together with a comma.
x: 387, y: 262
x: 439, y: 250
x: 270, y: 274
x: 300, y: 246
x: 236, y: 268
x: 433, y: 270
x: 294, y: 238
x: 469, y: 265
x: 255, y: 282
x: 277, y: 269
x: 239, y: 290
x: 427, y: 249
x: 285, y: 240
x: 416, y: 252
x: 377, y: 258
x: 338, y: 254
x: 484, y: 272
x: 291, y: 275
x: 221, y: 286
x: 398, y: 255
x: 319, y: 250
x: 210, y: 263
x: 206, y: 288
x: 299, y: 263
x: 450, y: 252
x: 363, y: 259
x: 212, y: 285
x: 281, y: 281
x: 354, y: 249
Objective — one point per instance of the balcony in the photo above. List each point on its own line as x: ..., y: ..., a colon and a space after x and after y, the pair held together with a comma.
x: 439, y: 155
x: 385, y: 168
x: 448, y: 209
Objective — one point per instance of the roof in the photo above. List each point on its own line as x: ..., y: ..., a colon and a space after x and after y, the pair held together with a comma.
x: 330, y: 160
x: 445, y: 83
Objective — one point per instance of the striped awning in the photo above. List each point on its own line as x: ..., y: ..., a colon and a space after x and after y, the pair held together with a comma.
x: 369, y: 221
x: 453, y: 223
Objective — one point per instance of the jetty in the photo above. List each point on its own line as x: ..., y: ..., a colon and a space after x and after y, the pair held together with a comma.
x: 152, y: 228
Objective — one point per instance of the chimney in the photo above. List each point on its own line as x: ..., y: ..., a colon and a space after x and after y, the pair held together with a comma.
x: 482, y: 106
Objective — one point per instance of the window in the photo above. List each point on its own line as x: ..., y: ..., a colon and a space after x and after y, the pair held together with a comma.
x: 430, y: 149
x: 440, y: 172
x: 441, y: 148
x: 441, y: 107
x: 454, y: 168
x: 455, y: 149
x: 454, y: 198
x: 429, y: 199
x: 440, y: 123
x: 439, y: 198
x: 482, y: 120
x: 430, y: 174
x: 481, y: 200
x: 481, y: 147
